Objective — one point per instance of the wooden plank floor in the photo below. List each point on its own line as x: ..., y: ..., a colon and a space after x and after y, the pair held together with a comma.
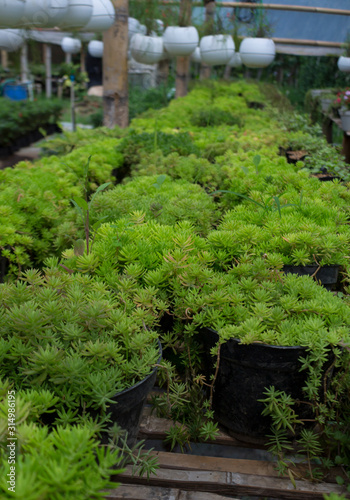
x: 192, y: 477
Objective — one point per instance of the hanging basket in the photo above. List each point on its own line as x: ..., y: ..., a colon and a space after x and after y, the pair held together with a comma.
x: 180, y: 41
x: 103, y: 16
x: 345, y: 119
x: 147, y: 49
x: 344, y: 64
x: 95, y: 48
x: 11, y: 40
x: 71, y: 45
x: 77, y: 15
x: 11, y: 13
x: 235, y: 61
x: 44, y: 13
x: 257, y: 52
x: 216, y: 49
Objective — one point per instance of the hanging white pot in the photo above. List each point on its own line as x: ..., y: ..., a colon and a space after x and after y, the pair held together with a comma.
x: 196, y: 55
x: 179, y: 41
x: 103, y: 16
x: 344, y: 64
x: 216, y: 49
x: 257, y: 52
x: 71, y: 45
x: 11, y: 40
x: 11, y: 12
x: 235, y: 61
x: 146, y: 49
x: 133, y: 27
x: 77, y: 15
x: 95, y: 48
x: 345, y: 119
x: 43, y: 13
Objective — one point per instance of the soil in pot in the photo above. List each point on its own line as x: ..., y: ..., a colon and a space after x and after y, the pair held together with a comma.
x: 245, y: 371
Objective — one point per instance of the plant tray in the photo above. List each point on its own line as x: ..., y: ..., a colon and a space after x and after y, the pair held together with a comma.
x: 200, y: 476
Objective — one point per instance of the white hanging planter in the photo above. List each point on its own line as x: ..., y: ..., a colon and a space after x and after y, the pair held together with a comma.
x: 103, y: 16
x: 95, y: 48
x: 257, y: 52
x: 43, y: 13
x: 235, y: 61
x: 196, y: 55
x: 146, y: 49
x: 180, y: 41
x: 11, y: 40
x: 344, y: 64
x: 77, y: 15
x: 133, y: 27
x: 71, y: 45
x: 11, y: 12
x: 345, y: 119
x: 216, y: 49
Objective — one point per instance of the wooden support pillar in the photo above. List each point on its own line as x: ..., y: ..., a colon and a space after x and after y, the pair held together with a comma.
x: 183, y: 63
x: 327, y: 129
x: 210, y: 7
x: 24, y: 63
x: 182, y: 76
x: 48, y: 69
x: 82, y: 59
x: 4, y: 59
x: 115, y: 69
x: 163, y: 72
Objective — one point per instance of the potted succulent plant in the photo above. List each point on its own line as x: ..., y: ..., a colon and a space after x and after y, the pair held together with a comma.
x: 73, y: 336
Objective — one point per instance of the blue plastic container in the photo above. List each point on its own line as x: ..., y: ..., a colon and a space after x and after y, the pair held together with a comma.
x: 16, y: 92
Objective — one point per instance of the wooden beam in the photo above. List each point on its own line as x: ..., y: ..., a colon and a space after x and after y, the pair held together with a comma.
x: 295, y: 8
x: 137, y: 492
x: 115, y: 69
x: 231, y: 483
x: 312, y: 43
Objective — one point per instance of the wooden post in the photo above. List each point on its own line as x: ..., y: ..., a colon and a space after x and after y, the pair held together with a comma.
x: 48, y: 71
x: 210, y: 7
x: 327, y: 129
x: 68, y: 58
x: 183, y: 63
x: 346, y: 147
x: 24, y: 63
x: 82, y: 59
x: 163, y: 72
x: 115, y: 69
x: 4, y: 59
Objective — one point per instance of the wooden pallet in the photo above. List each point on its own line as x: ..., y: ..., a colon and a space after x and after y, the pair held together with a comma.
x: 192, y: 477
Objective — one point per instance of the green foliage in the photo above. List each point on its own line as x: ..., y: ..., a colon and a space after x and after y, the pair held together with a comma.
x: 136, y: 145
x: 20, y: 118
x: 214, y: 117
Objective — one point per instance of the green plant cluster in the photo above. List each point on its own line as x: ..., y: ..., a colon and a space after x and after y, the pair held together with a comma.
x: 197, y: 234
x: 19, y: 118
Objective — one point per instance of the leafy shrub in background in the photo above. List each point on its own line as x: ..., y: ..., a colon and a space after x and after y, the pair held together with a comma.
x: 214, y: 117
x: 20, y: 118
x: 134, y: 145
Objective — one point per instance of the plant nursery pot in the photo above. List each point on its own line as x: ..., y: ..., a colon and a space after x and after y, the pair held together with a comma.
x: 344, y: 64
x: 345, y: 120
x: 216, y: 49
x: 146, y: 49
x: 245, y: 371
x: 128, y: 406
x: 327, y: 275
x: 257, y: 52
x: 180, y: 41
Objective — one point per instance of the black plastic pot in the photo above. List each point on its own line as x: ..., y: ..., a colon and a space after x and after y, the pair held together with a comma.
x: 326, y: 275
x: 245, y: 371
x: 128, y: 406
